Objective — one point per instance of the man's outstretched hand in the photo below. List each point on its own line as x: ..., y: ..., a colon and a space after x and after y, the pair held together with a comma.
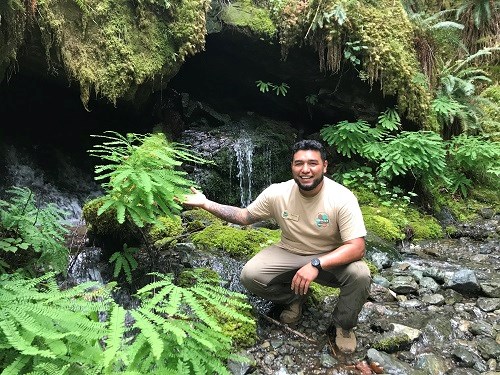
x: 197, y: 199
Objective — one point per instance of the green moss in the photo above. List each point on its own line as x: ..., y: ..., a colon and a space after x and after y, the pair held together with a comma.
x: 467, y: 209
x: 14, y: 22
x: 165, y: 231
x: 243, y: 334
x: 245, y: 14
x: 382, y: 226
x: 320, y: 292
x: 396, y: 219
x: 240, y: 243
x: 424, y: 226
x: 392, y: 343
x: 112, y: 47
x: 371, y: 266
x: 103, y: 224
x: 197, y: 219
x: 384, y: 28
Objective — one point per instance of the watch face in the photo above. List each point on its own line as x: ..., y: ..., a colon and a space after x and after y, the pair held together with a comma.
x: 315, y: 262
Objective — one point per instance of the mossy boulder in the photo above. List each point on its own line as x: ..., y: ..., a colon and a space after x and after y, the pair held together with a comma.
x: 165, y: 231
x: 197, y: 219
x: 241, y: 243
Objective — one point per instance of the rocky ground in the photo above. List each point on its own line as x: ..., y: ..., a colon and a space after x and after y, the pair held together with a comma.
x: 435, y: 310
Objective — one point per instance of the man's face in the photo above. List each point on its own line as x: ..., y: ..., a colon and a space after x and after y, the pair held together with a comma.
x: 307, y: 170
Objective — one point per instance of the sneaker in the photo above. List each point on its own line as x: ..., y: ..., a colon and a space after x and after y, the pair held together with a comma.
x: 345, y: 340
x: 293, y: 312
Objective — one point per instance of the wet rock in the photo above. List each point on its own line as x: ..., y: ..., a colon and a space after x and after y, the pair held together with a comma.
x: 481, y: 328
x: 433, y: 299
x: 465, y: 282
x: 487, y: 212
x: 243, y: 367
x: 435, y: 274
x: 491, y: 288
x: 452, y: 297
x: 432, y: 364
x: 488, y: 304
x: 467, y: 358
x: 380, y: 260
x: 381, y: 280
x: 404, y: 285
x: 380, y: 294
x: 428, y: 284
x: 390, y: 364
x: 488, y: 348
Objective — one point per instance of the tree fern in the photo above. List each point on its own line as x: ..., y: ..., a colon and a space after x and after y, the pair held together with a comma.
x: 142, y: 177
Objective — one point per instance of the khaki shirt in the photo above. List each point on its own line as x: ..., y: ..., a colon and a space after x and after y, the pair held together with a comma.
x: 311, y: 225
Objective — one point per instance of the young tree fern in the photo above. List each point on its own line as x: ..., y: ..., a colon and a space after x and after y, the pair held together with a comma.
x: 141, y: 175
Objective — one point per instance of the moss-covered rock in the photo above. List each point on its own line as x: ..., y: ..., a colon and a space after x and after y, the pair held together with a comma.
x: 396, y: 220
x: 245, y: 14
x: 113, y: 47
x: 382, y: 226
x: 165, y: 231
x: 384, y: 31
x: 106, y: 231
x: 237, y: 242
x: 197, y: 219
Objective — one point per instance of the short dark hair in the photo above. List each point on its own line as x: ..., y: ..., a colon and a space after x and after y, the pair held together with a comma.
x: 309, y: 144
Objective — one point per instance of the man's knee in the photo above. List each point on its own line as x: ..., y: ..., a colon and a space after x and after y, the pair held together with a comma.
x: 249, y: 277
x: 360, y: 272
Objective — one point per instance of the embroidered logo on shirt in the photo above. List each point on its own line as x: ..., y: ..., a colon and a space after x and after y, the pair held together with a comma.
x: 322, y: 220
x: 288, y: 216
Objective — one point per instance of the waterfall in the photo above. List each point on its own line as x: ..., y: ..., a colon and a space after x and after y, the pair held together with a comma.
x: 243, y: 148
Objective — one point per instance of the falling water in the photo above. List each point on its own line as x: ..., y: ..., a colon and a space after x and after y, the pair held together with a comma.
x: 244, y: 153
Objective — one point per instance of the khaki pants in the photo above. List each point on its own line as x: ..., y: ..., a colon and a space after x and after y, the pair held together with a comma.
x: 269, y: 275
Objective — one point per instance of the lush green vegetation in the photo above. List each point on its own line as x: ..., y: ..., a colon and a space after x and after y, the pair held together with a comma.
x: 46, y: 329
x: 437, y: 148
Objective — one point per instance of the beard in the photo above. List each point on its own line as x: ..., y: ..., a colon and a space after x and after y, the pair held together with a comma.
x: 312, y: 186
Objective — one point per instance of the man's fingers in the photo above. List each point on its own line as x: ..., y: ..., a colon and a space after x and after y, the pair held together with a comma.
x: 194, y: 190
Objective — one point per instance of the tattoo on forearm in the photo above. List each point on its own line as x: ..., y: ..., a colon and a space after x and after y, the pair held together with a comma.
x: 228, y: 213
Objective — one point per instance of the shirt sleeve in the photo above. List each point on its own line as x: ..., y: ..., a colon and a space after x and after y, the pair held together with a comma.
x: 350, y: 220
x: 260, y: 208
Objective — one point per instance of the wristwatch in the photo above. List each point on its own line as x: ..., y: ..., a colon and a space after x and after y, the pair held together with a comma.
x: 315, y: 262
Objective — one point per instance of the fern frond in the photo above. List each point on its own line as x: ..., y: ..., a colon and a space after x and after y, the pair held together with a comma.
x: 115, y: 334
x: 17, y: 366
x: 148, y: 329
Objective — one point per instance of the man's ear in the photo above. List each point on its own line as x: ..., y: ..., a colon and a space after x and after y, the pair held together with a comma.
x: 325, y: 166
